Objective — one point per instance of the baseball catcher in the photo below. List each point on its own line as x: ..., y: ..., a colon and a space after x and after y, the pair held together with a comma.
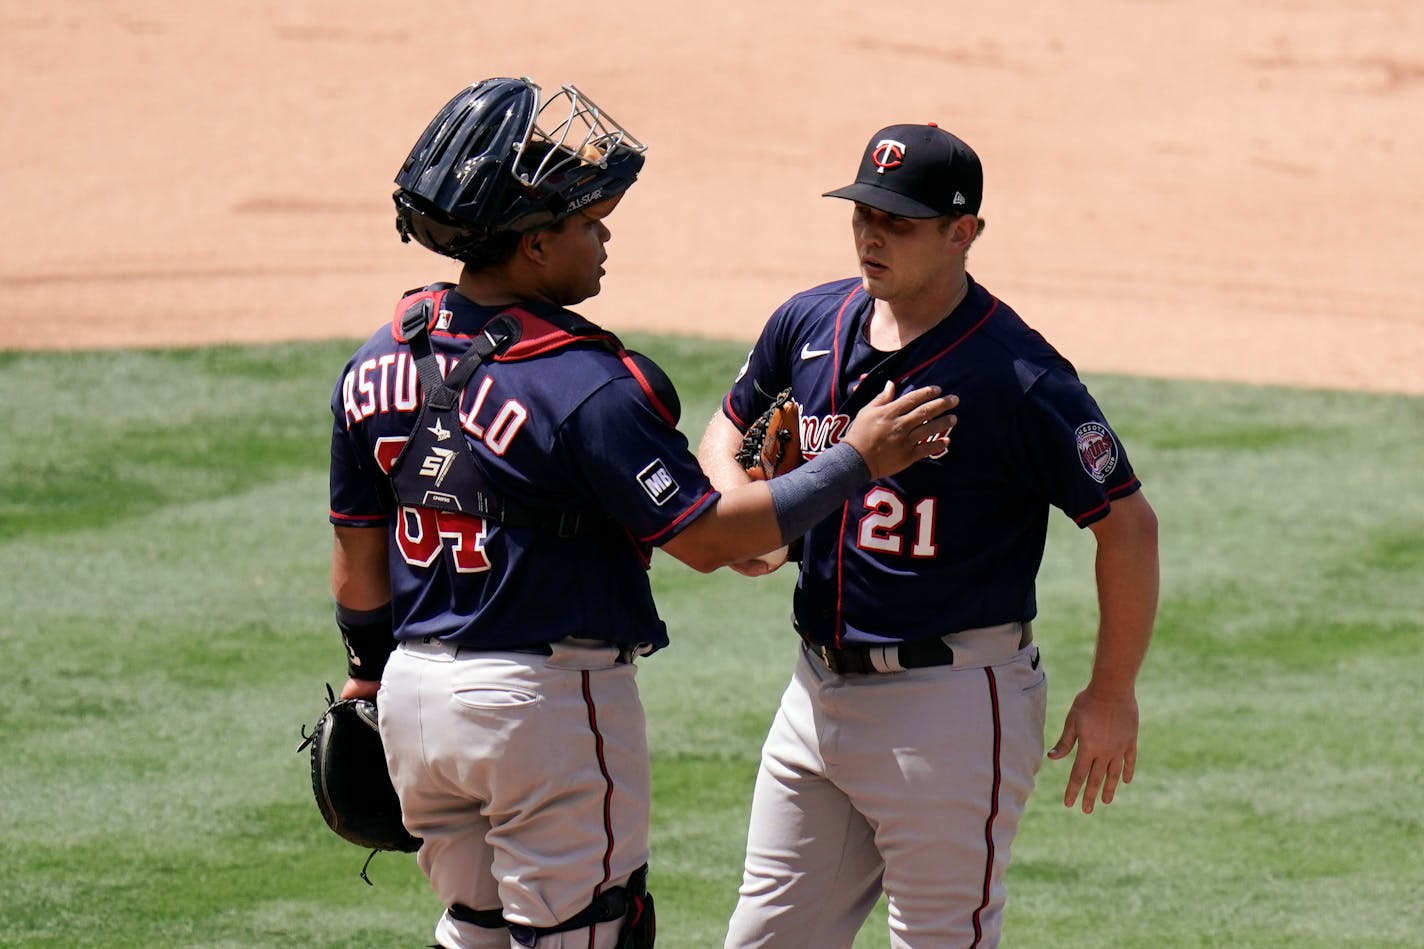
x: 350, y: 780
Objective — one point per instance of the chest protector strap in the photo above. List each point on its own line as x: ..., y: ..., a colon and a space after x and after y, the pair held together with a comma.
x: 437, y: 467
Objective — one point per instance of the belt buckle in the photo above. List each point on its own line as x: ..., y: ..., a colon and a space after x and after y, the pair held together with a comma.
x: 829, y: 657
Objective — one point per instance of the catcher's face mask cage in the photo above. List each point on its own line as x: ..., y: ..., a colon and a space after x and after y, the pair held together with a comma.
x: 498, y: 157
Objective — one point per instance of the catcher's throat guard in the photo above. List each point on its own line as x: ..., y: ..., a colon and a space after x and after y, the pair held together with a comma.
x: 437, y: 468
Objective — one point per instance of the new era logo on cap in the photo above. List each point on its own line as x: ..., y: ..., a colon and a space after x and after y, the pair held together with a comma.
x: 917, y: 171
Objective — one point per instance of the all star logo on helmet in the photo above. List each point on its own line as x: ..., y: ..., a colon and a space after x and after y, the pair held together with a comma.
x: 1097, y: 451
x: 887, y: 153
x: 586, y: 200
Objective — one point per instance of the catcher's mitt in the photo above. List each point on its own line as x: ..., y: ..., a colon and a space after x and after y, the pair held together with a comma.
x: 772, y: 444
x: 349, y: 777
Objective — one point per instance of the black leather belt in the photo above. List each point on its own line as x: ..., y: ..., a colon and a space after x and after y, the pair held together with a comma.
x: 627, y: 652
x: 855, y: 660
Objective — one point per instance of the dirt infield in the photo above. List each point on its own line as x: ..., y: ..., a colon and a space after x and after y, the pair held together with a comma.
x: 1195, y: 190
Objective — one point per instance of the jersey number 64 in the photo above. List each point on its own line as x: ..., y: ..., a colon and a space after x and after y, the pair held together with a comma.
x: 422, y: 533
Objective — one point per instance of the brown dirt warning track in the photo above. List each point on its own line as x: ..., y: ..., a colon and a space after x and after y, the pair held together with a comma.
x: 1191, y: 190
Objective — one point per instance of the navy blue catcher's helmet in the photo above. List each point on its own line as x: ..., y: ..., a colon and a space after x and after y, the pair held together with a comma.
x: 498, y: 158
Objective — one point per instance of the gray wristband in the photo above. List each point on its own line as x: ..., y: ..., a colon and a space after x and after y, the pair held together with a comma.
x: 804, y: 496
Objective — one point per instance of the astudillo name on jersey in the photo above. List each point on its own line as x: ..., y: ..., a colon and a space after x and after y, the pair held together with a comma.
x: 389, y: 383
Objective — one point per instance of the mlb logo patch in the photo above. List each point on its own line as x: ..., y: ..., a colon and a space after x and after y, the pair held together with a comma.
x: 1096, y: 450
x: 657, y: 482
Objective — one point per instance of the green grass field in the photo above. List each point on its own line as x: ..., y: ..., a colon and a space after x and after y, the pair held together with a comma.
x: 165, y: 629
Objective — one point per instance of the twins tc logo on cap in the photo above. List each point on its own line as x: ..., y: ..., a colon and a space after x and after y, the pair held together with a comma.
x: 888, y: 153
x: 1096, y: 450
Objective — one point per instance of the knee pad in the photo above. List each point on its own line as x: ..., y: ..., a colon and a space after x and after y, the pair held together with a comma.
x: 640, y: 924
x: 464, y: 925
x: 631, y: 903
x: 484, y: 918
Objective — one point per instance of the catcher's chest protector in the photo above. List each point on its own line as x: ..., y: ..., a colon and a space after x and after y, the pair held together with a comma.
x: 437, y: 467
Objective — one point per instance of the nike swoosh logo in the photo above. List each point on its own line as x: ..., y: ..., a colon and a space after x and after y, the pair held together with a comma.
x: 808, y: 353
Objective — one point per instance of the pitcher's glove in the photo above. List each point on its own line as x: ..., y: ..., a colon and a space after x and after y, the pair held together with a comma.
x: 772, y: 444
x: 350, y: 780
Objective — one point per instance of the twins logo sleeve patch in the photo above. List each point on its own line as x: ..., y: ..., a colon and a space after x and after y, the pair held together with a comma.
x: 657, y: 482
x: 1096, y: 450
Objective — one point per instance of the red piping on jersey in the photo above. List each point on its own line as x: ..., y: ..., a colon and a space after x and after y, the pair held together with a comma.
x: 645, y: 552
x: 360, y: 520
x: 836, y: 343
x: 607, y: 785
x: 993, y: 808
x: 1121, y: 491
x: 840, y: 576
x: 994, y: 305
x: 653, y: 538
x: 840, y: 547
x: 1082, y: 518
x: 727, y: 408
x: 647, y: 388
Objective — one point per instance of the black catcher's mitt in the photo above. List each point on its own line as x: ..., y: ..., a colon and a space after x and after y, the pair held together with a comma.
x: 772, y: 444
x: 350, y: 780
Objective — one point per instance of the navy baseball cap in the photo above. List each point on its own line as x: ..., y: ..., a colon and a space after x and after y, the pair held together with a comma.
x: 917, y: 171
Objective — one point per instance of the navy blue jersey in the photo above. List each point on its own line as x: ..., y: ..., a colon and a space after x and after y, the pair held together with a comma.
x: 566, y: 427
x: 955, y: 541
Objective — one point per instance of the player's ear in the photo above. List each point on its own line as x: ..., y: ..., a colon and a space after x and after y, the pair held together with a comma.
x: 531, y: 245
x: 965, y: 229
